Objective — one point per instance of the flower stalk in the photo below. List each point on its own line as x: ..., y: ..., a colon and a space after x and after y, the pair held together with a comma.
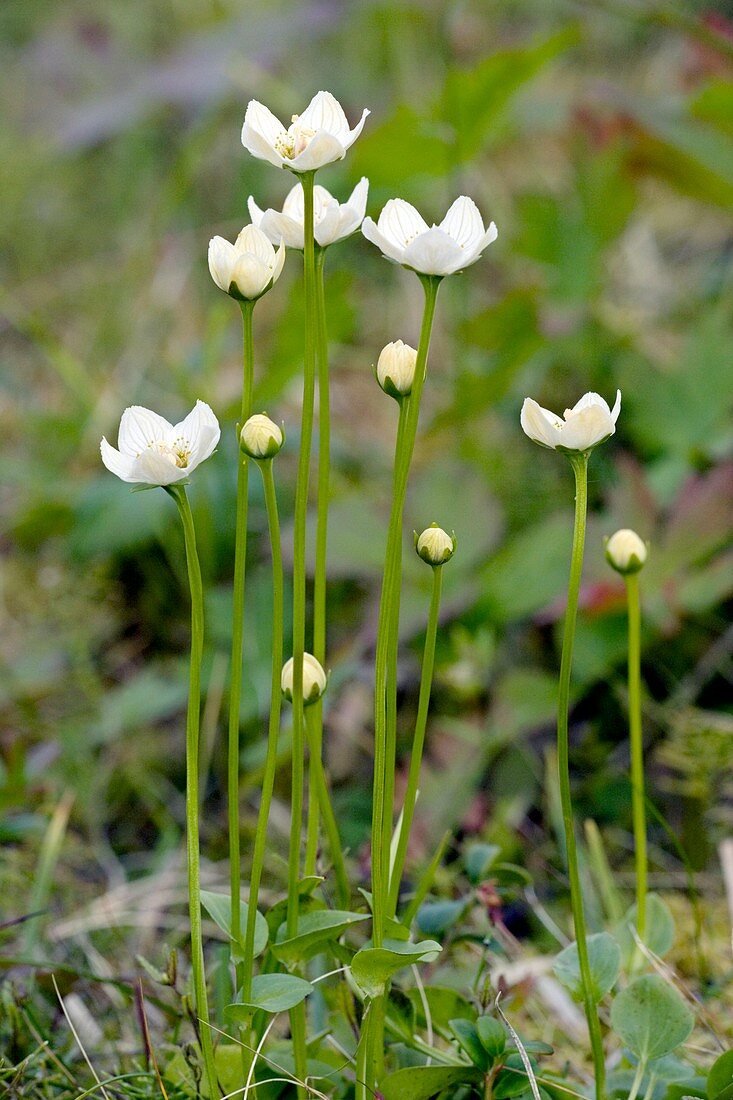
x: 579, y: 462
x: 320, y: 787
x: 193, y: 717
x: 235, y: 690
x: 637, y: 749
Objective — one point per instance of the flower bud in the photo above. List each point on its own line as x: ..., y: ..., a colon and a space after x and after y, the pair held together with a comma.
x: 396, y: 369
x: 314, y: 679
x: 260, y: 437
x: 625, y: 551
x: 435, y: 546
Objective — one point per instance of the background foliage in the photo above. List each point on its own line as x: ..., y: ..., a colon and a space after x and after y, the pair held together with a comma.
x: 598, y: 137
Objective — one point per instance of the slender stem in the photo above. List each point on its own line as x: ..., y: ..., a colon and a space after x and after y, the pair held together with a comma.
x: 362, y: 1091
x: 297, y: 1015
x: 638, y: 1078
x: 375, y: 1044
x: 580, y: 468
x: 413, y: 777
x: 268, y: 779
x: 384, y: 728
x: 193, y: 718
x: 637, y: 750
x: 235, y: 690
x: 320, y: 575
x: 324, y: 802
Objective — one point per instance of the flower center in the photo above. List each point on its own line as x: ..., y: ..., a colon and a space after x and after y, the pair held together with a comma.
x: 297, y: 138
x: 177, y: 452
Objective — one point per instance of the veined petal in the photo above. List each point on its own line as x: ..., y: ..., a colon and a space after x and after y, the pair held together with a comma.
x: 588, y: 427
x: 323, y: 148
x: 391, y: 250
x: 256, y: 213
x: 200, y: 424
x: 488, y: 238
x: 400, y: 222
x: 326, y: 229
x: 253, y: 240
x: 117, y: 463
x: 279, y: 262
x: 251, y: 275
x: 435, y: 253
x: 357, y: 200
x: 353, y: 134
x: 261, y: 132
x: 221, y: 259
x: 139, y: 429
x: 154, y: 468
x: 585, y: 402
x: 280, y: 227
x: 323, y: 201
x: 616, y: 407
x: 324, y: 112
x: 295, y: 202
x: 464, y: 223
x: 540, y: 424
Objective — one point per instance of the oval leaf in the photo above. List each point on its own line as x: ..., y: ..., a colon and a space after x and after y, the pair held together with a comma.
x: 651, y: 1017
x: 271, y: 993
x: 422, y: 1082
x: 372, y: 967
x: 436, y: 917
x: 467, y: 1036
x: 314, y: 929
x: 604, y: 956
x: 659, y: 936
x: 720, y: 1077
x: 219, y: 908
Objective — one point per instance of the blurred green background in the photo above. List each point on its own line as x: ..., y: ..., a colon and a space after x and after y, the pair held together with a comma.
x: 599, y: 137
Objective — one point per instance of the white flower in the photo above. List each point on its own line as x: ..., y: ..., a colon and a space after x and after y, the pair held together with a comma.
x: 154, y: 452
x: 396, y: 368
x: 247, y: 268
x: 435, y: 546
x: 625, y: 551
x: 404, y: 236
x: 260, y: 437
x: 319, y: 136
x: 332, y: 220
x: 587, y: 424
x: 314, y: 679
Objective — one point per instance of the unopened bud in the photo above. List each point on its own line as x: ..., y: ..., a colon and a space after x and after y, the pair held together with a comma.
x: 314, y: 679
x: 625, y: 551
x: 435, y: 546
x: 260, y: 437
x: 396, y: 369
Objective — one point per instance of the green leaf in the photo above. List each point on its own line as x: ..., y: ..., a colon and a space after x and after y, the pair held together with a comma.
x: 660, y: 931
x: 512, y: 1080
x: 271, y: 993
x: 422, y: 1082
x: 467, y: 1036
x: 720, y: 1077
x: 444, y: 1004
x: 492, y: 1034
x: 478, y: 861
x: 604, y: 956
x: 314, y: 929
x: 651, y: 1017
x: 372, y: 967
x: 435, y: 917
x: 219, y: 908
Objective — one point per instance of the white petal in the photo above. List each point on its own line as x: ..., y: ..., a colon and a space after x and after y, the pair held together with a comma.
x: 322, y: 149
x: 139, y: 428
x: 326, y: 228
x: 324, y: 112
x: 585, y: 402
x: 117, y: 463
x: 253, y: 240
x: 588, y: 427
x: 294, y: 203
x: 279, y: 262
x: 391, y: 250
x: 260, y: 133
x: 540, y: 424
x: 221, y: 259
x: 400, y: 222
x: 435, y: 253
x: 201, y: 432
x: 489, y: 237
x: 357, y: 200
x: 279, y: 227
x: 256, y: 213
x: 616, y: 407
x: 353, y: 134
x: 153, y: 468
x: 323, y: 201
x: 251, y: 275
x: 464, y: 223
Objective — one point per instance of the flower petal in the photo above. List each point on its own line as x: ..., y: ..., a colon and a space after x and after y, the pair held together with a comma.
x: 322, y: 149
x: 117, y: 463
x: 279, y: 227
x: 139, y: 429
x: 251, y: 275
x: 253, y: 240
x: 435, y: 253
x: 324, y: 112
x: 201, y: 432
x: 256, y: 213
x: 351, y: 213
x: 616, y: 407
x: 154, y: 468
x: 326, y: 228
x: 372, y: 233
x: 588, y: 427
x: 489, y: 237
x: 400, y: 223
x: 279, y: 262
x: 221, y: 259
x: 353, y: 134
x: 540, y: 424
x: 294, y: 202
x: 464, y: 223
x: 260, y: 133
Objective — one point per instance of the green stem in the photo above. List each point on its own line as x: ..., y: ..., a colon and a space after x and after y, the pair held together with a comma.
x: 268, y: 779
x: 638, y: 1078
x: 324, y: 803
x: 580, y: 468
x: 235, y: 690
x: 320, y: 575
x: 413, y: 777
x: 637, y: 750
x: 297, y: 1015
x: 384, y: 729
x: 193, y: 717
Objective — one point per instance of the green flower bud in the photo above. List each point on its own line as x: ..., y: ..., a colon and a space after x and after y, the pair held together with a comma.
x: 625, y: 551
x: 260, y: 437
